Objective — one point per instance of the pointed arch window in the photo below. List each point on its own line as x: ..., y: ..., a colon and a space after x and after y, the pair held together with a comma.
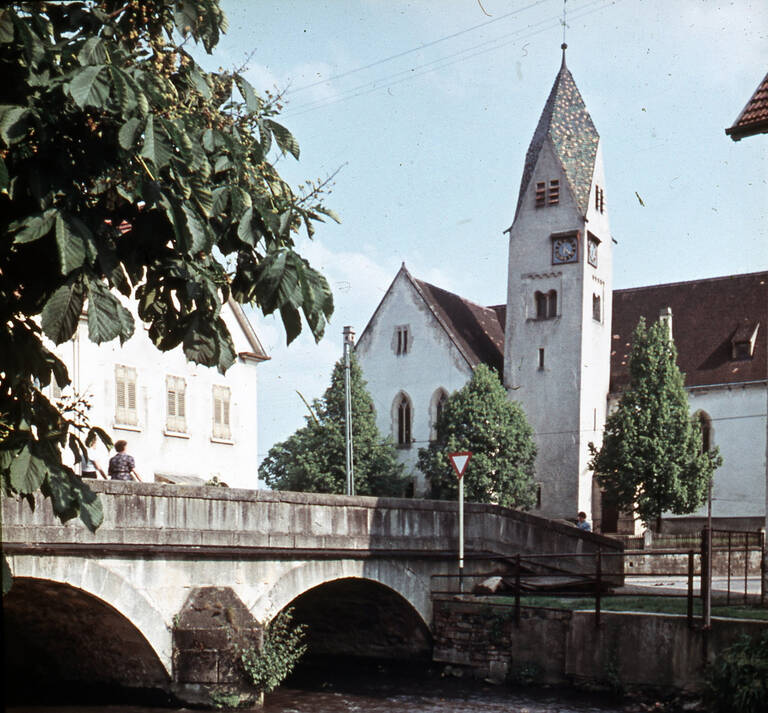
x: 436, y: 406
x: 403, y: 419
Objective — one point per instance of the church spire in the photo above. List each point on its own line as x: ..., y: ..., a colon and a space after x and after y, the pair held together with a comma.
x: 566, y: 122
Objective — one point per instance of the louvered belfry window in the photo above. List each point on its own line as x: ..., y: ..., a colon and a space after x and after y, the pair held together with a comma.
x: 176, y: 406
x: 126, y: 411
x: 221, y: 407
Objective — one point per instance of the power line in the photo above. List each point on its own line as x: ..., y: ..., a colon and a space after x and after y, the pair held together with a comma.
x: 440, y: 63
x: 415, y: 49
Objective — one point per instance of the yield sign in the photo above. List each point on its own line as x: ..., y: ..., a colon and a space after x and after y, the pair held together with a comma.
x: 459, y: 462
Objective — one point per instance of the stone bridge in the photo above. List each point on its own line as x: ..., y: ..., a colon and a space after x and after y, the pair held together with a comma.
x: 177, y: 574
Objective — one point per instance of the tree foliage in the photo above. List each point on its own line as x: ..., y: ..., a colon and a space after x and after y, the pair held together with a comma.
x: 652, y: 459
x: 125, y: 168
x: 481, y: 419
x: 313, y: 459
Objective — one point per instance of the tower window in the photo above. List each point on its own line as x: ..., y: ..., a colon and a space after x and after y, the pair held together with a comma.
x: 553, y: 198
x: 541, y: 357
x: 546, y: 304
x: 401, y: 340
x: 541, y: 194
x: 599, y: 199
x: 597, y: 312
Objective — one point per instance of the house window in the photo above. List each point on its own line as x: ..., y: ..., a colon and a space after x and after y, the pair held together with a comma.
x: 541, y: 194
x: 126, y: 411
x: 436, y: 410
x: 541, y: 358
x: 403, y: 417
x: 401, y: 340
x: 597, y: 312
x: 599, y: 199
x: 553, y: 197
x: 221, y: 408
x: 176, y: 409
x: 546, y: 304
x: 743, y: 340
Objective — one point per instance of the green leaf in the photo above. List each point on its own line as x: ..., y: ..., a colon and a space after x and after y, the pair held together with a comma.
x: 252, y: 101
x: 156, y: 147
x: 128, y: 132
x: 6, y: 31
x: 12, y: 129
x: 200, y: 81
x: 71, y: 496
x: 89, y: 86
x: 93, y: 52
x: 72, y: 244
x: 126, y: 95
x: 107, y: 318
x: 199, y: 232
x: 245, y: 229
x: 27, y: 472
x: 33, y: 227
x: 62, y: 312
x: 4, y: 178
x: 284, y: 138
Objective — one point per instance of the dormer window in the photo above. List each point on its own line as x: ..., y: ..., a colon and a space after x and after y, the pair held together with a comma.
x: 743, y: 340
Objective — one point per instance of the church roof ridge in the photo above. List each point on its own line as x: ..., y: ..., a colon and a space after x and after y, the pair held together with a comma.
x: 698, y: 280
x: 566, y: 121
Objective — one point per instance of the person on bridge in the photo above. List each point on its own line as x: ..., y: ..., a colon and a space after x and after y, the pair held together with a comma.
x: 583, y: 523
x: 121, y: 465
x: 89, y: 468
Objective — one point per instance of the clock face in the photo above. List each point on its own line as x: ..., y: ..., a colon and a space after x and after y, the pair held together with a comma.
x: 564, y: 250
x: 592, y: 254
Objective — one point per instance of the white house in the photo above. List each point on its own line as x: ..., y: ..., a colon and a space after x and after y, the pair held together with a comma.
x: 183, y: 422
x: 562, y: 339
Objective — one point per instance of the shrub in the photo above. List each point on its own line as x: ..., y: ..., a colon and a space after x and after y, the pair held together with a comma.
x: 738, y: 679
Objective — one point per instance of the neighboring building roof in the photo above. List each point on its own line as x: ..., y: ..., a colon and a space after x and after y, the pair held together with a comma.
x: 566, y: 121
x: 709, y: 320
x: 257, y: 351
x: 754, y: 116
x: 474, y: 329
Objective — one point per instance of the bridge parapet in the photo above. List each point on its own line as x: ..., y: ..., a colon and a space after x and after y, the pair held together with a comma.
x: 161, y: 517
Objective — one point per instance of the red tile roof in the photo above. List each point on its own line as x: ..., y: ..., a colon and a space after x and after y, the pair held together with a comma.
x: 707, y: 317
x: 754, y: 116
x: 475, y: 329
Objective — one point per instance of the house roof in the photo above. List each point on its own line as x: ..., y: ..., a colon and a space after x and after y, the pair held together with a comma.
x: 754, y: 116
x: 567, y: 123
x: 708, y: 316
x: 257, y: 351
x: 474, y: 329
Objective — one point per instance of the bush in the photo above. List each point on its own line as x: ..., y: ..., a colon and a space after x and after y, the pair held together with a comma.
x: 738, y: 679
x: 281, y: 650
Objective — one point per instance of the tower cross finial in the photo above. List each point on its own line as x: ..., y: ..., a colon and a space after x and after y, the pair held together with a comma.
x: 564, y: 23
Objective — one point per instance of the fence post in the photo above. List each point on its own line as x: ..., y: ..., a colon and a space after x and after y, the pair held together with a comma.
x: 746, y: 565
x: 728, y: 593
x: 598, y: 584
x: 517, y: 590
x: 690, y: 588
x: 706, y: 578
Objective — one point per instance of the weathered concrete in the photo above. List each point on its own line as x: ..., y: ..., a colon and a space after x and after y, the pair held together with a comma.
x: 159, y: 544
x: 654, y: 651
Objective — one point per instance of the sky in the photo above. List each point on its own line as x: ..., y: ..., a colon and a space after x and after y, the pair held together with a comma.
x: 424, y: 110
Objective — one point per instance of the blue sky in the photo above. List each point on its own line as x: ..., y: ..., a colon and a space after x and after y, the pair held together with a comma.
x: 431, y: 138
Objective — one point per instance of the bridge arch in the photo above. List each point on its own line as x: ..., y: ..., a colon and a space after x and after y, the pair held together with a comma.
x: 396, y: 576
x: 108, y: 587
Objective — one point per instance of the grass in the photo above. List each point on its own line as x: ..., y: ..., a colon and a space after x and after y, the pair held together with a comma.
x: 657, y: 604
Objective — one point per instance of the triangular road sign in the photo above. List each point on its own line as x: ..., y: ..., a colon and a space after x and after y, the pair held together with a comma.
x: 459, y: 462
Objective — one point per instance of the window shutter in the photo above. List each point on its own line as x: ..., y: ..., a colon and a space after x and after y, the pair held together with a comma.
x: 221, y: 406
x: 126, y: 411
x: 176, y: 404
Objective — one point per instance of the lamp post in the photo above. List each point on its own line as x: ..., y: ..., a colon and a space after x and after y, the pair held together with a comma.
x: 349, y: 343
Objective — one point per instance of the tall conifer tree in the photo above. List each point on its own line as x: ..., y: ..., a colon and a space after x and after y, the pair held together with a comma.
x: 313, y: 459
x: 652, y: 459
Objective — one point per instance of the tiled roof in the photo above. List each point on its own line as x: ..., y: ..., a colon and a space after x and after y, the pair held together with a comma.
x: 566, y: 121
x: 707, y: 317
x: 754, y: 116
x: 475, y: 329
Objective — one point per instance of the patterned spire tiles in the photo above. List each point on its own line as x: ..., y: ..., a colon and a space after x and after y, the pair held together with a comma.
x: 566, y: 121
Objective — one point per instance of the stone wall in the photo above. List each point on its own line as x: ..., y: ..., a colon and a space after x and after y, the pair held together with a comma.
x: 631, y: 650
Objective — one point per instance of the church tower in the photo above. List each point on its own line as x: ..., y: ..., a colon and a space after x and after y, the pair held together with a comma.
x: 558, y: 323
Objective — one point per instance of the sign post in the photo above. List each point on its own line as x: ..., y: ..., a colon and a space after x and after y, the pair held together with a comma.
x: 459, y: 462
